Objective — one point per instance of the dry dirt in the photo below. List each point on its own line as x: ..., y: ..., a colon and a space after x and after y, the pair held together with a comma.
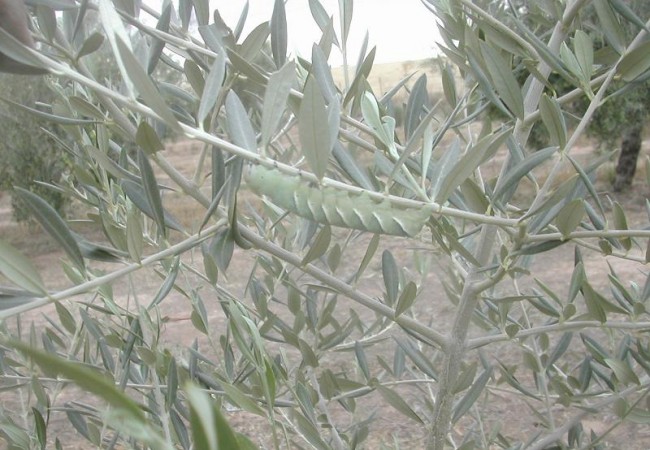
x: 391, y: 429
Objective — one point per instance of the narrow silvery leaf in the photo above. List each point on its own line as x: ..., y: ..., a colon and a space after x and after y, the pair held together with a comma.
x: 391, y: 276
x: 363, y: 50
x: 319, y: 14
x: 239, y: 398
x: 185, y: 13
x: 486, y: 85
x: 406, y: 298
x: 79, y: 20
x: 254, y: 43
x: 465, y: 378
x: 167, y: 285
x: 49, y: 117
x: 46, y: 18
x: 319, y: 246
x: 240, y: 128
x: 328, y: 38
x: 358, y: 84
x: 158, y: 44
x: 114, y: 29
x: 350, y: 166
x: 474, y: 157
x: 570, y: 61
x: 345, y: 13
x: 624, y: 373
x: 635, y: 62
x: 91, y: 44
x: 142, y: 82
x: 323, y: 74
x: 545, y: 209
x: 98, y: 252
x: 275, y: 100
x: 147, y: 138
x: 130, y: 7
x: 218, y: 170
x: 422, y: 361
x: 279, y: 34
x: 570, y: 216
x: 427, y: 150
x: 542, y: 49
x: 362, y: 360
x: 594, y: 303
x: 241, y: 22
x: 85, y: 108
x: 474, y: 196
x: 221, y: 249
x: 194, y: 76
x: 252, y: 46
x: 152, y: 191
x: 214, y: 204
x: 212, y: 273
x: 41, y: 428
x: 560, y: 349
x: 620, y: 223
x: 85, y: 378
x: 443, y: 166
x: 415, y: 106
x: 397, y: 402
x: 334, y: 121
x: 202, y: 10
x: 243, y: 66
x: 504, y: 81
x: 19, y: 270
x: 370, y: 111
x: 449, y: 85
x: 134, y: 234
x: 587, y: 178
x: 470, y: 397
x: 553, y: 119
x: 522, y: 169
x: 17, y: 51
x: 137, y: 195
x: 313, y: 128
x: 212, y: 87
x: 52, y: 222
x: 610, y: 25
x: 367, y: 257
x: 624, y: 10
x: 583, y: 48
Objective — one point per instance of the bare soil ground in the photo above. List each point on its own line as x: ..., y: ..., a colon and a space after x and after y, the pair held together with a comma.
x: 390, y: 429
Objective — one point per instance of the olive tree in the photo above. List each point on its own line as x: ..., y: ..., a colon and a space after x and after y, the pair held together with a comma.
x: 31, y: 151
x: 620, y: 120
x: 309, y: 194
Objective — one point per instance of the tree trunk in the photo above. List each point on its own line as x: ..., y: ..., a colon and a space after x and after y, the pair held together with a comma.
x: 630, y: 148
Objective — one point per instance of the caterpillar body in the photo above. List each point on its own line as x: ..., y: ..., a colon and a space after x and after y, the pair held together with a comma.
x: 336, y: 207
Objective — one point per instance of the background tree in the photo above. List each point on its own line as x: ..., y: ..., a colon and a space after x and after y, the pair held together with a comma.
x: 622, y: 116
x: 31, y: 150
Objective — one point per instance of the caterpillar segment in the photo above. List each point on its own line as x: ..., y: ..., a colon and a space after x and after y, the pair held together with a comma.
x: 336, y: 207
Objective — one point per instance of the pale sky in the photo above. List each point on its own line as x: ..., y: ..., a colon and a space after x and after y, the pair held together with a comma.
x: 401, y: 29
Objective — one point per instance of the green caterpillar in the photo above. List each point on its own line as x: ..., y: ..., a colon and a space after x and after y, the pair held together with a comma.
x: 336, y: 207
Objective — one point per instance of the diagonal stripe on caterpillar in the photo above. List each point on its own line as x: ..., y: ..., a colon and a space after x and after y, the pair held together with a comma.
x: 336, y: 207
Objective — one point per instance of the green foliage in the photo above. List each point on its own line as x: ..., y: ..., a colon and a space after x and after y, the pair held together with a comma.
x: 28, y: 153
x: 625, y: 103
x: 625, y: 107
x: 337, y: 260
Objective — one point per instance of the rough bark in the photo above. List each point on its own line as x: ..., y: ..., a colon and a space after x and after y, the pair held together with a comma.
x: 630, y: 148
